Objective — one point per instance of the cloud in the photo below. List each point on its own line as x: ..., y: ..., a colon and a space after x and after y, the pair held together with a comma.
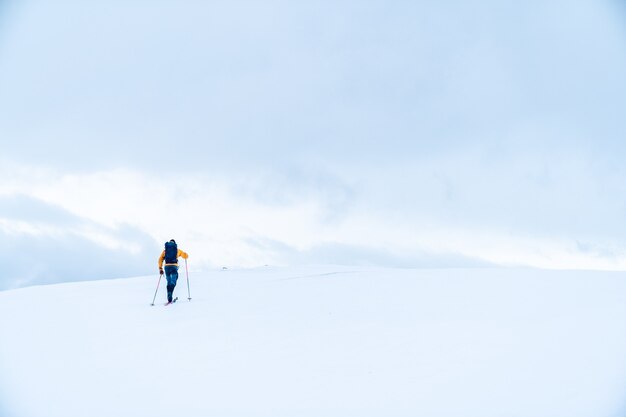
x: 225, y: 87
x: 33, y: 211
x: 35, y: 260
x: 447, y: 213
x: 366, y: 254
x: 45, y: 244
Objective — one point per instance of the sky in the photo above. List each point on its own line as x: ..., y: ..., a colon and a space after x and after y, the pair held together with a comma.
x: 394, y: 133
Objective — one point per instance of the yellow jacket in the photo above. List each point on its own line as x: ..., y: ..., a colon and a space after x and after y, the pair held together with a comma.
x: 180, y: 254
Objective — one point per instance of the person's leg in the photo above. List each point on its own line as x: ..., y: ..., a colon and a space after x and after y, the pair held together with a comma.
x: 170, y: 287
x: 171, y: 273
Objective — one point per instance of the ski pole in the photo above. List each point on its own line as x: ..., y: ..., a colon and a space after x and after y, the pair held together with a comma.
x: 187, y: 271
x: 157, y: 290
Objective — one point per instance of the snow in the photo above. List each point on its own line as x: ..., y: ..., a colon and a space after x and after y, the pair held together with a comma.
x: 320, y: 341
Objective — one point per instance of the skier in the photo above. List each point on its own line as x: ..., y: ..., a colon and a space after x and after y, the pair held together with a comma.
x: 170, y: 254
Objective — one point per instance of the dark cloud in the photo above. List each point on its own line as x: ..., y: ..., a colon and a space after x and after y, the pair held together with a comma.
x: 32, y: 260
x: 65, y: 253
x: 32, y: 210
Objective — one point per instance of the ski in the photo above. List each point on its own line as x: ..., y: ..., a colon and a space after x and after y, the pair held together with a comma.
x: 171, y: 302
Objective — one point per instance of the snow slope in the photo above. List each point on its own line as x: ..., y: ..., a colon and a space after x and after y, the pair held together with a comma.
x: 320, y: 341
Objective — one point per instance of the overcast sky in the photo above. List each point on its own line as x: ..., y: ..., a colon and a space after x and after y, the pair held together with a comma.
x: 399, y: 133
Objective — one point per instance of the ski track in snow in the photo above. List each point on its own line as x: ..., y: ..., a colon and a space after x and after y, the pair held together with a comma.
x: 320, y: 341
x: 326, y: 274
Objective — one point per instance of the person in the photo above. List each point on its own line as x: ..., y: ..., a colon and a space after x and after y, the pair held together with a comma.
x: 170, y: 255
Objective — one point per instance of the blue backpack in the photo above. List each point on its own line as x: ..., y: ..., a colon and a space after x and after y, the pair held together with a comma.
x: 171, y: 253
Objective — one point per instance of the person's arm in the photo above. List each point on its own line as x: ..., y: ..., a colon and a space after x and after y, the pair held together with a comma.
x: 161, y: 258
x: 182, y: 254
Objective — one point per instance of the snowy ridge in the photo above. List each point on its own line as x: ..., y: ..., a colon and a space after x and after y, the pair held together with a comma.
x: 319, y: 341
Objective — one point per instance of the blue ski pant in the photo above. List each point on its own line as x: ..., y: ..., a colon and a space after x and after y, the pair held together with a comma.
x: 171, y: 274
